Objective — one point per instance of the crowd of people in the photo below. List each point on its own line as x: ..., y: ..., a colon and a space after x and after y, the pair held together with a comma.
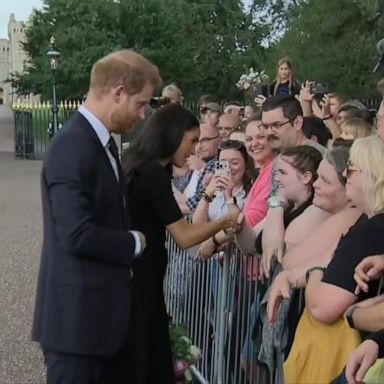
x: 295, y: 179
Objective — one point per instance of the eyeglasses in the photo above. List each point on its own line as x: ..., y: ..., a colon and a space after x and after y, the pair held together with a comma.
x: 275, y: 126
x: 205, y: 140
x: 231, y: 144
x: 226, y: 129
x: 351, y: 168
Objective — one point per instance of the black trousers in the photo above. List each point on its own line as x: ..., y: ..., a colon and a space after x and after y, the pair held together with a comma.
x: 76, y: 369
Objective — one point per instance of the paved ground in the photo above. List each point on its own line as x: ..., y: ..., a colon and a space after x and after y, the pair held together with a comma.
x: 20, y: 244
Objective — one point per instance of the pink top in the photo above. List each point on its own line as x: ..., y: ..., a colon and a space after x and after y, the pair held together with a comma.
x: 255, y: 209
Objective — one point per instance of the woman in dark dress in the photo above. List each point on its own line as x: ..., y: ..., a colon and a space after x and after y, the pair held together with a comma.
x: 168, y: 138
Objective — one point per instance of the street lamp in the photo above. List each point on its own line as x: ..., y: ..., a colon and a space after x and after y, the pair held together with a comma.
x: 53, y: 56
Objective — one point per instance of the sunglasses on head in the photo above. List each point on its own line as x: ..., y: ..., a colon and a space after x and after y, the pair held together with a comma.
x: 231, y: 144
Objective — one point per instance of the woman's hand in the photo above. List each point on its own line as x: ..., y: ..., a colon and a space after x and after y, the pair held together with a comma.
x: 360, y: 360
x: 274, y: 250
x: 214, y: 184
x: 371, y: 268
x: 226, y: 184
x: 206, y: 250
x: 279, y: 290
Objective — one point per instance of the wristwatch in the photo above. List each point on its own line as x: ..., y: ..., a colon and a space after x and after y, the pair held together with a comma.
x: 349, y: 317
x: 275, y: 202
x: 231, y: 200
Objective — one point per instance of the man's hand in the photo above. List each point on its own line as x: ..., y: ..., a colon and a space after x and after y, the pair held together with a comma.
x: 274, y: 250
x: 206, y: 250
x: 326, y: 106
x: 305, y: 93
x: 143, y: 242
x: 259, y: 100
x: 195, y: 163
x: 371, y: 268
x: 360, y: 360
x: 279, y: 290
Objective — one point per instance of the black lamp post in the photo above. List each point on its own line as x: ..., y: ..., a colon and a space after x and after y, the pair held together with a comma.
x: 53, y: 56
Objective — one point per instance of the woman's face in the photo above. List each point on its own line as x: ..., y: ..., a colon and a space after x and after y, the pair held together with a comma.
x: 257, y: 144
x: 284, y: 72
x: 330, y: 194
x: 186, y: 147
x: 236, y: 162
x: 289, y: 179
x: 354, y: 186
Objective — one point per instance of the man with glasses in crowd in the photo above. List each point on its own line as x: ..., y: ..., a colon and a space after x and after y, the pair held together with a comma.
x: 227, y: 124
x: 207, y: 147
x: 210, y: 112
x: 282, y: 120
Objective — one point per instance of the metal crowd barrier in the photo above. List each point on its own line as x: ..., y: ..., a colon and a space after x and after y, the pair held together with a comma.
x: 215, y: 299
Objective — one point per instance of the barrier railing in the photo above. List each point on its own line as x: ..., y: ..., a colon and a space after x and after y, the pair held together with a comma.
x: 216, y: 300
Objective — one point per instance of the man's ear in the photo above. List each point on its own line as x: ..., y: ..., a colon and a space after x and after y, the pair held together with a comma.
x: 298, y: 123
x: 118, y: 92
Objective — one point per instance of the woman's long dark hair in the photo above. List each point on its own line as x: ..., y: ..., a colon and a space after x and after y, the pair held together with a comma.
x: 159, y: 138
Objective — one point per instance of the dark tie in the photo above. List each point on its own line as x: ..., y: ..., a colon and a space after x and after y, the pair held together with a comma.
x: 122, y: 184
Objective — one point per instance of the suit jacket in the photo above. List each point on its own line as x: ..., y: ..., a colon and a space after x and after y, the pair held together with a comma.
x: 84, y: 286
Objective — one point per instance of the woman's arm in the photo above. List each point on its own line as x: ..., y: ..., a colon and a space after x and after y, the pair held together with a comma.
x: 305, y: 224
x: 246, y: 238
x: 186, y: 234
x: 319, y: 246
x: 369, y: 318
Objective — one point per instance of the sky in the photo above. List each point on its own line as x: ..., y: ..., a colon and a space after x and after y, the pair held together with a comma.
x: 21, y: 8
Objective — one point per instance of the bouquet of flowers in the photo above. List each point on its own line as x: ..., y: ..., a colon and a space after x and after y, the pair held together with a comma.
x: 250, y: 79
x: 183, y: 351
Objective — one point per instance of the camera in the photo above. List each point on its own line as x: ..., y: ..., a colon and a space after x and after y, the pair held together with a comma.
x: 319, y: 88
x: 158, y: 102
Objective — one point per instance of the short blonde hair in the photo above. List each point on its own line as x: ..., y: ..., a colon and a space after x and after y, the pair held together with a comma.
x: 358, y: 128
x: 123, y: 67
x: 368, y: 155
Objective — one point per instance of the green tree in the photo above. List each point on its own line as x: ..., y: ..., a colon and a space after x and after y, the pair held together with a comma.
x: 202, y: 45
x: 333, y: 42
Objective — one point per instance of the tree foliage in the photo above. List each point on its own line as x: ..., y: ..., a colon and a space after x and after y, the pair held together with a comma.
x: 204, y: 45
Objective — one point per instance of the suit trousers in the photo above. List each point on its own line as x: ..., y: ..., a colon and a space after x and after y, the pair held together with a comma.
x: 78, y: 369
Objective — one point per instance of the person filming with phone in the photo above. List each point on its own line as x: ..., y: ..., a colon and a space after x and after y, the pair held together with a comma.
x: 228, y: 186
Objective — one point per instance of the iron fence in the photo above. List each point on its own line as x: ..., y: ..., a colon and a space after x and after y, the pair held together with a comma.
x: 216, y: 299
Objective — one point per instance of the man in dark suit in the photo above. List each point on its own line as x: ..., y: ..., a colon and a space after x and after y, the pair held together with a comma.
x: 82, y: 314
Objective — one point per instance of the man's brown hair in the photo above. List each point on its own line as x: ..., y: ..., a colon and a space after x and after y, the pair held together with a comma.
x: 123, y: 67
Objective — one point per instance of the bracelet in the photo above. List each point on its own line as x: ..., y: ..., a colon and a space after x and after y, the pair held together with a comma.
x: 349, y: 317
x: 215, y: 242
x: 206, y: 197
x: 327, y: 117
x: 310, y: 270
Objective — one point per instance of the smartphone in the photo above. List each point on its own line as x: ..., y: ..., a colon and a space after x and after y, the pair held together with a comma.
x: 222, y: 168
x: 260, y: 89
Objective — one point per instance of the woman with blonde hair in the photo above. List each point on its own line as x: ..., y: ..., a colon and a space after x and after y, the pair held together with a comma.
x: 285, y: 82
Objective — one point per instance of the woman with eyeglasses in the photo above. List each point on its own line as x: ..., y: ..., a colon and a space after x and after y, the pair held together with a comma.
x: 167, y: 138
x: 229, y: 185
x: 323, y: 334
